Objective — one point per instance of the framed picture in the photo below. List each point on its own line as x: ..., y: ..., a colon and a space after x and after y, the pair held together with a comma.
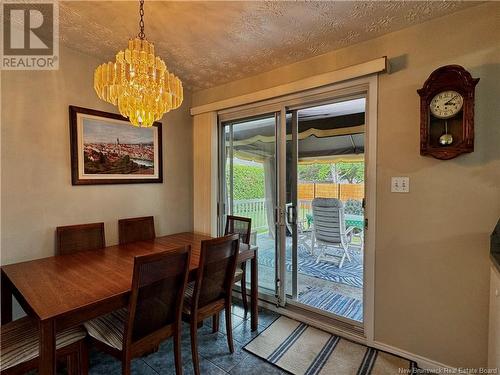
x: 107, y: 149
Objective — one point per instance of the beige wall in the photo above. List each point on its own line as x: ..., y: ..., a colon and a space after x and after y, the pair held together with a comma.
x: 37, y: 194
x: 432, y: 267
x: 494, y: 325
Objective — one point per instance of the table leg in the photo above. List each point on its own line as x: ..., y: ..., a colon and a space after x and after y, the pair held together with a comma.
x: 47, y: 347
x: 6, y: 300
x: 254, y: 282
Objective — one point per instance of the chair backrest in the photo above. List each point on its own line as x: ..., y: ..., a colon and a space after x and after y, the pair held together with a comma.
x: 239, y: 225
x: 216, y: 270
x: 74, y: 238
x: 328, y: 218
x: 158, y: 284
x: 136, y: 229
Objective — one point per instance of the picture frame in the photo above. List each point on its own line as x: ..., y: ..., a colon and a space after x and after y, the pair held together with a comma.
x: 107, y: 149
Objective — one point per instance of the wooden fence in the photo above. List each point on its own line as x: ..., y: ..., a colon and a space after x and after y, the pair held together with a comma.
x: 344, y: 192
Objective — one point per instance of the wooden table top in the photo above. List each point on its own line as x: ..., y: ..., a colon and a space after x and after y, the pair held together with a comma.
x: 57, y: 285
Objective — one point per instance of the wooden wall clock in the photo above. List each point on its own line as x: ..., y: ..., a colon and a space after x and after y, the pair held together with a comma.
x: 447, y: 113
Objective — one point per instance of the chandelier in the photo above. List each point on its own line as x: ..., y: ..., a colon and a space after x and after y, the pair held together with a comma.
x: 138, y: 82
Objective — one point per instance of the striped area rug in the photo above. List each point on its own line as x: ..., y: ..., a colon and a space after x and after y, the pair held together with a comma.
x: 303, y: 350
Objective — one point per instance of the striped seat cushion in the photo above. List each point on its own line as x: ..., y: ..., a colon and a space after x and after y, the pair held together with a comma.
x: 19, y: 341
x: 109, y: 328
x: 188, y: 294
x: 238, y: 274
x: 188, y: 297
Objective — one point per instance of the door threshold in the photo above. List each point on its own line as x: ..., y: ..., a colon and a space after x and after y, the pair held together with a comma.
x: 328, y: 324
x: 325, y: 314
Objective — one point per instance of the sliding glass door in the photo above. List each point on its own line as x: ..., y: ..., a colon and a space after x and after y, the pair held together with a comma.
x: 299, y: 174
x: 249, y: 186
x: 325, y: 208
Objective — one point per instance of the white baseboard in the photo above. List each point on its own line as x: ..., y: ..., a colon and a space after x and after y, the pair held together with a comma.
x: 422, y: 362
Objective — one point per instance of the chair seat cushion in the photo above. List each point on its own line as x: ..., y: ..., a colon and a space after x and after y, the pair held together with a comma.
x: 238, y: 274
x: 188, y: 298
x: 20, y: 341
x: 188, y: 293
x: 109, y: 328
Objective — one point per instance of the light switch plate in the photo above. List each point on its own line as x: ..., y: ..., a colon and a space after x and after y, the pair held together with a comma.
x: 400, y: 184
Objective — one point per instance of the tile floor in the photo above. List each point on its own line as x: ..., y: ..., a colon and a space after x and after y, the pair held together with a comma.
x: 214, y: 354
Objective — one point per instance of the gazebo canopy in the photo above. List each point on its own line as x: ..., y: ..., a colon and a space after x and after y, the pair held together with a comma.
x: 326, y: 133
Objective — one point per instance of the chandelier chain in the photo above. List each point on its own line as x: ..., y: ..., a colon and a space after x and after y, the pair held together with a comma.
x: 141, y: 35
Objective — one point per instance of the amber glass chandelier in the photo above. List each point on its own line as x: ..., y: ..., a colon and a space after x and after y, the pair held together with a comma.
x: 138, y: 82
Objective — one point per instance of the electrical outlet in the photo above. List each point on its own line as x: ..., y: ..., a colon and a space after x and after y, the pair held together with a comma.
x: 400, y: 184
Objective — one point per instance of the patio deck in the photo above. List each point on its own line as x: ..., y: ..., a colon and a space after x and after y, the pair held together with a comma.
x: 322, y: 285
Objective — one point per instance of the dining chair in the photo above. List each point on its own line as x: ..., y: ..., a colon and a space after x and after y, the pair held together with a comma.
x: 136, y: 229
x: 210, y: 293
x: 154, y: 310
x: 74, y: 238
x: 243, y: 227
x: 19, y: 348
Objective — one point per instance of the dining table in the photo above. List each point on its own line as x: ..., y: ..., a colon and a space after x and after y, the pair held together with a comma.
x: 66, y: 290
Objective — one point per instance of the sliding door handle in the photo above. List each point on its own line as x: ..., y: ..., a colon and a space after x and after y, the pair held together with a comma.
x: 290, y: 215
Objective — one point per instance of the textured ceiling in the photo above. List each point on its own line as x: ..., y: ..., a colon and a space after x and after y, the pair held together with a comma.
x: 210, y: 43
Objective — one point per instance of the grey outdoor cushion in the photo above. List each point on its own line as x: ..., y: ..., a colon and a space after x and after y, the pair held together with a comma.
x: 328, y: 217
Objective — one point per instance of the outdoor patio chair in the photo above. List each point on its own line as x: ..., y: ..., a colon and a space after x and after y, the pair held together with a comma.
x: 329, y: 229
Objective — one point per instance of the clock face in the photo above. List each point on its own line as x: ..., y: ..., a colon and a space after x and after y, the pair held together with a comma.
x: 446, y: 104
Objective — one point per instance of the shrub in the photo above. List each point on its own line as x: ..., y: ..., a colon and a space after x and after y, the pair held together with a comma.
x: 248, y: 182
x: 314, y: 172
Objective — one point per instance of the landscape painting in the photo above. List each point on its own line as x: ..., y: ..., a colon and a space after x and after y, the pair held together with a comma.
x: 107, y: 149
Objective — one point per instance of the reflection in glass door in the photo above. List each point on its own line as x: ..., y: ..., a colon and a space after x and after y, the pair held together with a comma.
x: 325, y: 208
x: 249, y: 189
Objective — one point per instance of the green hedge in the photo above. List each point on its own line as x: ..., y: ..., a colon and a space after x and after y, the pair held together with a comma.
x: 314, y: 172
x: 248, y: 182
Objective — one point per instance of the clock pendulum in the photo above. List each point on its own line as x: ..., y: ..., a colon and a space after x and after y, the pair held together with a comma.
x: 446, y: 139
